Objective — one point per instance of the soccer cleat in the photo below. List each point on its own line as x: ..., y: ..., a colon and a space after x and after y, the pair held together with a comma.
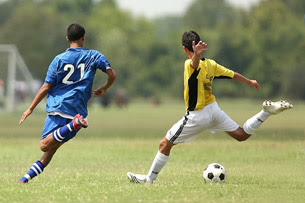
x: 276, y: 107
x: 138, y: 178
x: 79, y: 122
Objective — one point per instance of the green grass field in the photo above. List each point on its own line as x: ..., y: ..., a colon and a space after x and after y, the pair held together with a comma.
x: 269, y: 167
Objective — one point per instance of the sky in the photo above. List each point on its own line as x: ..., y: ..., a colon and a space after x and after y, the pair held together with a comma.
x: 156, y: 8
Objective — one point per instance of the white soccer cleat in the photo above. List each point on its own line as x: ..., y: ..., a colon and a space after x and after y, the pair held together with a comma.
x: 138, y: 178
x: 276, y: 107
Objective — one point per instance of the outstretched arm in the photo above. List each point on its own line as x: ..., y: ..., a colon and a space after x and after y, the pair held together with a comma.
x: 45, y: 88
x: 239, y: 77
x: 102, y: 90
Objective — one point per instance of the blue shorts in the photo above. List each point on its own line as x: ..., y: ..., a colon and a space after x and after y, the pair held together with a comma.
x: 52, y: 123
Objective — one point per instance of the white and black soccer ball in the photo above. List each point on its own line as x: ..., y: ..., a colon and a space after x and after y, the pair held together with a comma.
x: 214, y: 172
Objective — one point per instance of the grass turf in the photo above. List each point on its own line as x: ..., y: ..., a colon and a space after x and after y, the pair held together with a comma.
x: 93, y: 166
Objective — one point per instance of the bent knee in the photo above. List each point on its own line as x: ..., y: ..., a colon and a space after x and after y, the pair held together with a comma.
x: 44, y: 147
x: 241, y: 138
x: 239, y: 135
x: 164, y: 143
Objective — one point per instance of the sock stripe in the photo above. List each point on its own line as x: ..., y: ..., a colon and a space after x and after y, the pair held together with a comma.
x: 55, y: 136
x: 37, y: 167
x: 59, y: 135
x: 34, y: 169
x: 69, y: 127
x: 27, y: 176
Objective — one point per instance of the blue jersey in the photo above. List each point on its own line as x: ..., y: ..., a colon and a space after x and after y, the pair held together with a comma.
x: 71, y: 75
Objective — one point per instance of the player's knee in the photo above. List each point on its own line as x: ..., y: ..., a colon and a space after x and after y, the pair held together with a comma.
x: 44, y: 147
x: 164, y: 143
x: 165, y: 146
x: 242, y: 137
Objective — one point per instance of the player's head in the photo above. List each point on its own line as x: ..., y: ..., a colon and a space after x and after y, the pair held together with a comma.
x: 75, y: 32
x: 188, y: 38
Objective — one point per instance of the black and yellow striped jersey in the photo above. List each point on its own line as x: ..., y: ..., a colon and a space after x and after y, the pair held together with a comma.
x: 198, y: 83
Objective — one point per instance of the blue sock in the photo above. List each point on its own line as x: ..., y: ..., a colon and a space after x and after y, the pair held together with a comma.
x: 35, y: 170
x: 60, y: 134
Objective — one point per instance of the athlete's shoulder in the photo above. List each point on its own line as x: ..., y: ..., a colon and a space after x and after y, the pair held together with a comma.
x: 187, y: 61
x: 64, y: 55
x: 209, y: 61
x: 58, y: 56
x: 94, y: 52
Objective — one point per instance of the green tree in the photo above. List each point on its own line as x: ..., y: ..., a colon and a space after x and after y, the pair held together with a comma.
x: 208, y: 14
x: 36, y: 36
x: 278, y: 38
x: 296, y: 6
x: 6, y: 10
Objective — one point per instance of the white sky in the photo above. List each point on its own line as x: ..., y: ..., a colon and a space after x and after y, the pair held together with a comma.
x: 154, y: 8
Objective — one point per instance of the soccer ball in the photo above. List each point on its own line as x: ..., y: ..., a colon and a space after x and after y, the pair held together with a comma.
x: 214, y: 172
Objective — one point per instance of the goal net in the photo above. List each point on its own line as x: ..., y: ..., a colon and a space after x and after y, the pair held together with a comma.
x: 17, y: 84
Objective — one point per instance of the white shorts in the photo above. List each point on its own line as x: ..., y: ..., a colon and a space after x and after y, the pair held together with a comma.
x: 211, y: 117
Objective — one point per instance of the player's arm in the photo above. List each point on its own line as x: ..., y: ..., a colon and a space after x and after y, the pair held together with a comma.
x: 43, y: 91
x: 198, y: 50
x: 111, y: 78
x: 239, y: 77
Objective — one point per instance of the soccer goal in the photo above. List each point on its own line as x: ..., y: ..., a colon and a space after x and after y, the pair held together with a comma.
x: 16, y: 81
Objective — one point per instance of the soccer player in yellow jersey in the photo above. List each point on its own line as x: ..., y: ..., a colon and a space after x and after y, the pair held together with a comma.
x: 202, y: 111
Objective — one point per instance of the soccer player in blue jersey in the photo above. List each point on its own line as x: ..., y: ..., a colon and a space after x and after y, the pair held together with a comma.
x: 68, y: 87
x: 202, y: 110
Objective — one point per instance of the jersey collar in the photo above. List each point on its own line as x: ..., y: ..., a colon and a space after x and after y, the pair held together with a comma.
x: 75, y: 49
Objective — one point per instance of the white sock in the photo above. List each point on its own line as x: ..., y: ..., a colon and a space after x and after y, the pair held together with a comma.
x: 158, y: 163
x: 253, y: 123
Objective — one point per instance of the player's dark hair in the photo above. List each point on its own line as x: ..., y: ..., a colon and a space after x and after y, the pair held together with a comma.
x: 75, y: 32
x: 188, y: 38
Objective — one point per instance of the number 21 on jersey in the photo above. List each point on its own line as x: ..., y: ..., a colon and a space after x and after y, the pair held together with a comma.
x: 70, y: 69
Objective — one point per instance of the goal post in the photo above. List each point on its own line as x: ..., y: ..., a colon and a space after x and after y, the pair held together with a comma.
x: 15, y: 63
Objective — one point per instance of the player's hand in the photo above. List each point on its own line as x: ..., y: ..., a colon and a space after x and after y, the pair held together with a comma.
x: 254, y: 83
x: 199, y: 48
x: 25, y: 115
x: 99, y: 92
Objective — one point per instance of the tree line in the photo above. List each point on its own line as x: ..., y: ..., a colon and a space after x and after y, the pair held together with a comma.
x: 265, y: 43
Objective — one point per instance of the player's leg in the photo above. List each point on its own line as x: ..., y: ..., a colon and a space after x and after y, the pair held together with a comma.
x: 48, y: 155
x: 160, y: 159
x: 53, y: 141
x: 158, y: 163
x: 185, y: 130
x: 60, y: 134
x: 252, y: 124
x: 38, y: 167
x: 269, y: 108
x: 239, y: 134
x: 49, y: 142
x: 222, y: 122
